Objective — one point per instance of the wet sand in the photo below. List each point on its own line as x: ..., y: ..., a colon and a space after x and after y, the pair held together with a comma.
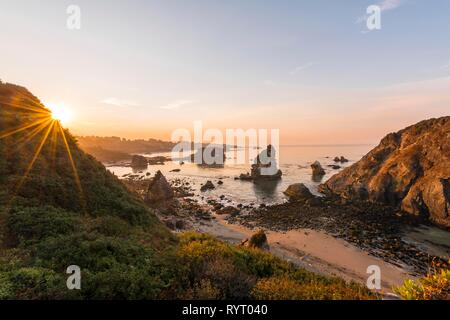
x: 315, y: 251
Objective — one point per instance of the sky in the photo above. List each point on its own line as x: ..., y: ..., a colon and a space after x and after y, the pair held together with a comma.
x: 141, y: 69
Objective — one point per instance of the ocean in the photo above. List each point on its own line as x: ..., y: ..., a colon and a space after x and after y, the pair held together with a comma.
x: 294, y: 161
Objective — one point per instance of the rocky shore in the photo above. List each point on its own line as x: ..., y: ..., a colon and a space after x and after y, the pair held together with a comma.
x: 376, y: 228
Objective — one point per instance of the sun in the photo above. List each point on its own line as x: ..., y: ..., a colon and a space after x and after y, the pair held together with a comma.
x: 60, y: 112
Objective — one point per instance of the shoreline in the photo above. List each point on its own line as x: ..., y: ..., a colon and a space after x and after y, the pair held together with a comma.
x: 315, y: 251
x: 328, y: 236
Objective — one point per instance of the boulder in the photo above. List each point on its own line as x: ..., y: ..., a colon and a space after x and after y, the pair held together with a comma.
x: 232, y: 211
x: 334, y: 166
x: 340, y: 159
x: 159, y: 189
x: 298, y: 191
x: 409, y: 169
x: 258, y: 240
x: 317, y: 169
x: 138, y: 161
x: 207, y: 186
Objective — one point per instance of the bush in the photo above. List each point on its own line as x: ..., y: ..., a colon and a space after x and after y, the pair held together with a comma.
x: 434, y: 286
x: 37, y: 223
x: 289, y: 289
x: 34, y: 283
x: 214, y: 269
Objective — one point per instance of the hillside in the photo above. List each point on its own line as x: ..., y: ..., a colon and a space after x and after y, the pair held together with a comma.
x: 112, y: 149
x: 55, y: 213
x: 60, y: 207
x: 409, y: 168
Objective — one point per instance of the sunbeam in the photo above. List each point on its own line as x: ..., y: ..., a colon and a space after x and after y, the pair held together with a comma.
x: 36, y: 155
x: 72, y: 163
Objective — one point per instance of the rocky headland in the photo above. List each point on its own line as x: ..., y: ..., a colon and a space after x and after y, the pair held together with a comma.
x: 409, y: 169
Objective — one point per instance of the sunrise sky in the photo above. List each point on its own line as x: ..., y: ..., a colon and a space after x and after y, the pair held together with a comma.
x: 140, y: 69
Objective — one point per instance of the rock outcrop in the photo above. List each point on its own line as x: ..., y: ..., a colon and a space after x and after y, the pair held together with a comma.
x: 341, y: 159
x: 138, y: 161
x: 257, y: 240
x: 159, y: 190
x: 409, y: 168
x: 317, y: 170
x: 298, y: 191
x: 207, y: 186
x: 265, y: 167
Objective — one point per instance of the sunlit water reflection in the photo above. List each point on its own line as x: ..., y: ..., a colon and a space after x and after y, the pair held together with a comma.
x: 294, y: 161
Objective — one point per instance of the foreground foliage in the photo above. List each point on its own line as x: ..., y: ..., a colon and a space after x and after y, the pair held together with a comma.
x: 434, y: 286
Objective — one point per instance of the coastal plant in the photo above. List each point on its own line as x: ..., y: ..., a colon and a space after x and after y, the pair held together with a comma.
x: 434, y: 286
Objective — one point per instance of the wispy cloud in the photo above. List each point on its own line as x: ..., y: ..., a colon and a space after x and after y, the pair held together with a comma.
x: 446, y: 66
x: 120, y: 103
x: 177, y: 104
x: 385, y: 5
x: 302, y: 67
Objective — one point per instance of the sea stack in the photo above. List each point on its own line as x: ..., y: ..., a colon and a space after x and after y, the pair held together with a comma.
x: 409, y: 169
x: 265, y: 166
x: 159, y: 190
x: 317, y: 170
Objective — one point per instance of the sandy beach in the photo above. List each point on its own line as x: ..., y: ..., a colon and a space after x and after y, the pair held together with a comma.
x: 314, y: 251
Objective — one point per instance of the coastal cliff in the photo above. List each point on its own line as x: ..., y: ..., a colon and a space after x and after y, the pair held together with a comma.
x: 409, y: 169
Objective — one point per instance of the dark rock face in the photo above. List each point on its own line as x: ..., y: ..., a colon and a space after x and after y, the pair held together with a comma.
x: 207, y: 186
x: 317, y: 170
x: 258, y: 240
x: 409, y: 168
x: 298, y: 191
x: 341, y: 159
x: 228, y: 210
x: 159, y: 189
x: 138, y: 161
x: 265, y: 167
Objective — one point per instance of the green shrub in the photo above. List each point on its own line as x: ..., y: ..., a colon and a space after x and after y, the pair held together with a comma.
x: 34, y: 283
x: 434, y: 286
x: 37, y: 223
x: 231, y: 272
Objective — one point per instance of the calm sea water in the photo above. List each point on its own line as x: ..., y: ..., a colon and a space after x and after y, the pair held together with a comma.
x: 294, y: 161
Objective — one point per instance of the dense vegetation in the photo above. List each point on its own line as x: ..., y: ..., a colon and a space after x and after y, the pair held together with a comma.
x: 52, y: 216
x: 434, y: 286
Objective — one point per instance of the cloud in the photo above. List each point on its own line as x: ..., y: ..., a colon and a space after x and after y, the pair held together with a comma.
x: 385, y: 5
x: 302, y: 67
x: 176, y: 104
x: 120, y: 103
x: 390, y: 4
x: 446, y: 66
